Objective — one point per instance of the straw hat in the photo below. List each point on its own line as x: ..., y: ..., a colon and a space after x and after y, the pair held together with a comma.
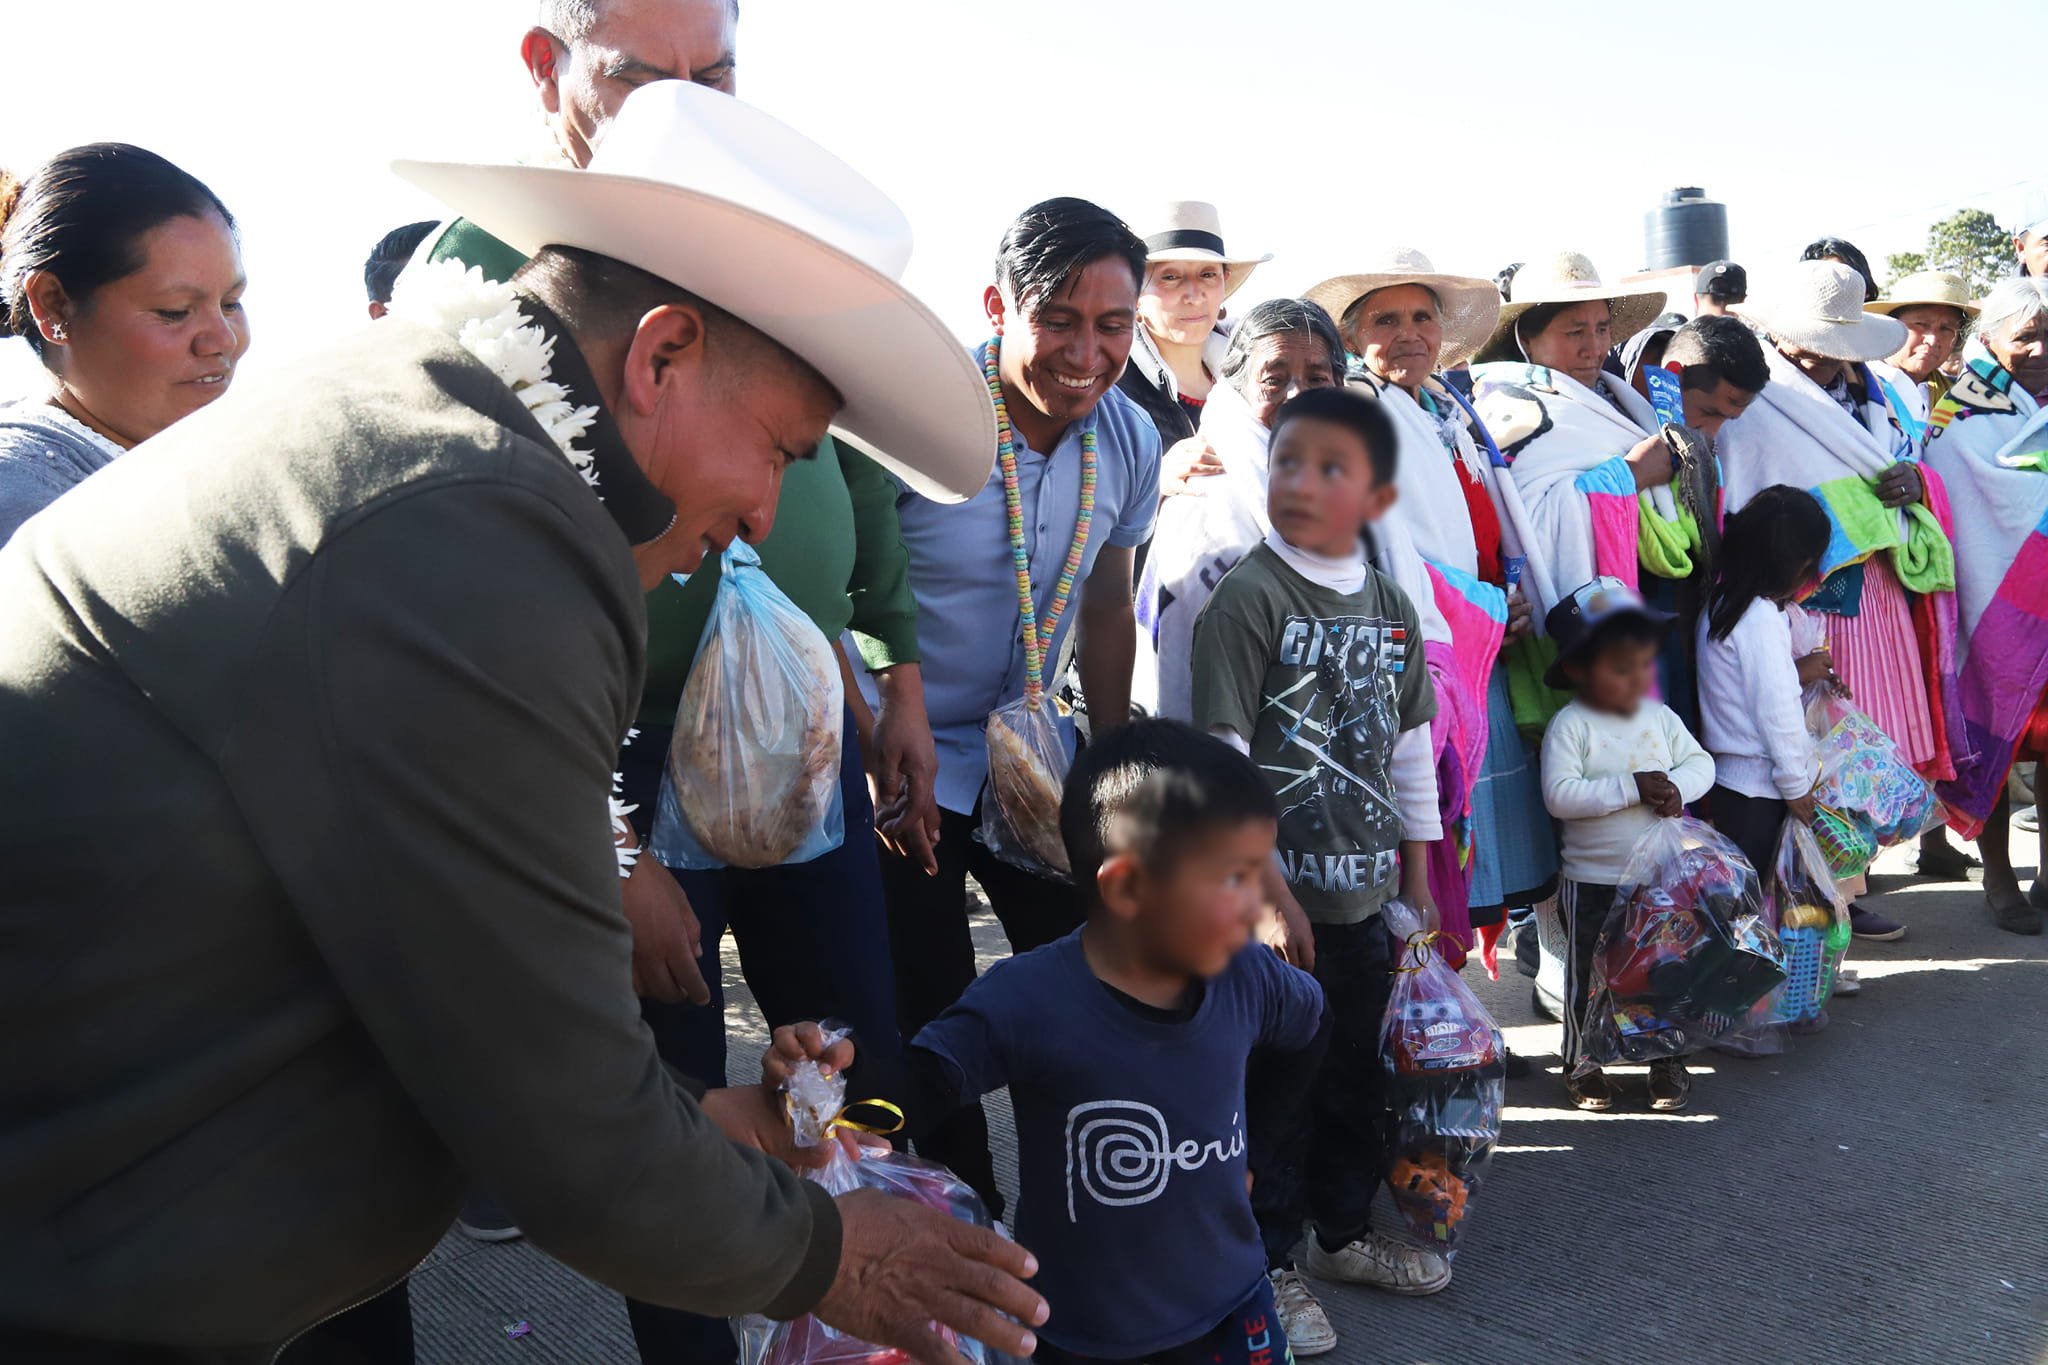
x: 1925, y: 287
x: 1569, y: 277
x: 1190, y: 230
x: 1470, y: 307
x: 751, y: 215
x: 1817, y: 306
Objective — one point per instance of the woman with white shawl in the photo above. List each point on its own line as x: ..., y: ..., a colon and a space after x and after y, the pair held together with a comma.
x: 1988, y: 445
x: 1886, y: 595
x: 1580, y: 445
x: 1404, y: 321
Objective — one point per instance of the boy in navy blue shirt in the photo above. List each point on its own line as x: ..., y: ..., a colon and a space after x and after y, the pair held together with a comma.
x: 1124, y: 1047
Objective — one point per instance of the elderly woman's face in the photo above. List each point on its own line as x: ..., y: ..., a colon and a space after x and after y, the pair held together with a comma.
x: 1575, y: 343
x: 1932, y: 330
x: 1285, y: 364
x: 1181, y: 300
x: 1821, y: 369
x: 1399, y: 334
x: 2023, y: 350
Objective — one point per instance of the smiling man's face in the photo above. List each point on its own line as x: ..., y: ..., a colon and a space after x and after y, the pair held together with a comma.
x: 1062, y: 353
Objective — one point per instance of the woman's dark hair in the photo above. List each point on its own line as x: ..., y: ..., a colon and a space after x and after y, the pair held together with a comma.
x: 1835, y: 249
x: 390, y: 256
x: 1153, y: 789
x: 1347, y: 408
x: 1278, y: 317
x: 1051, y: 240
x: 1536, y: 321
x: 82, y: 218
x: 1767, y: 550
x: 1354, y: 312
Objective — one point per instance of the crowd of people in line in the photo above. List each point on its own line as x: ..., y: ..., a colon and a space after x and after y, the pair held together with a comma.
x: 339, y: 716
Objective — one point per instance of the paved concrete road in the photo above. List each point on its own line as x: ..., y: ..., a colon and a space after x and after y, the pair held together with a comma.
x: 1876, y: 1196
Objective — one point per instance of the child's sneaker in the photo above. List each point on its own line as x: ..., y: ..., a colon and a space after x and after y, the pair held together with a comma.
x: 1302, y: 1318
x: 1847, y: 982
x: 1670, y: 1085
x: 1379, y: 1261
x: 1592, y: 1092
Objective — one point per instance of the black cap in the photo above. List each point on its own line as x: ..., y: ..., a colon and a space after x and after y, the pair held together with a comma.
x: 1722, y: 280
x: 1571, y: 623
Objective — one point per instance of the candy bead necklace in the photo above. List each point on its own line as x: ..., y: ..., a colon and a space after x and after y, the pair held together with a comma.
x: 1036, y: 642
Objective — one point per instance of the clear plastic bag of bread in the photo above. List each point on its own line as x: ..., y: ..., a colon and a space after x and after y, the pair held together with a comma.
x: 753, y: 767
x: 1027, y: 770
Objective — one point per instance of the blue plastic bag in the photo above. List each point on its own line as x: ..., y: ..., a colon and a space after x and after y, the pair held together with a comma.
x: 753, y: 767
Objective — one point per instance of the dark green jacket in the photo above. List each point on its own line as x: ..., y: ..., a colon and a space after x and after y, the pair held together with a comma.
x: 308, y: 908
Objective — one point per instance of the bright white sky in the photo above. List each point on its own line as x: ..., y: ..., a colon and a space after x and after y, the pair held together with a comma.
x: 1481, y: 132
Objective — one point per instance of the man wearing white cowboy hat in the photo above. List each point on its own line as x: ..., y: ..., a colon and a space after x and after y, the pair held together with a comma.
x: 1188, y: 275
x: 1827, y: 423
x: 1935, y: 306
x: 364, y: 644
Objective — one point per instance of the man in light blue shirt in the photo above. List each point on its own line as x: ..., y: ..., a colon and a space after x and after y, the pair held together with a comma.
x: 1064, y: 312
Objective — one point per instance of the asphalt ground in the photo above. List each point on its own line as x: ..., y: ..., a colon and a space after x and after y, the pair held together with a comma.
x: 1877, y: 1195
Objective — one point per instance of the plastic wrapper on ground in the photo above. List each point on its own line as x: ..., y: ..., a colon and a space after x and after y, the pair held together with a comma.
x: 753, y: 767
x: 1027, y: 769
x: 815, y: 1101
x: 1872, y: 797
x: 1446, y: 1065
x: 1686, y: 951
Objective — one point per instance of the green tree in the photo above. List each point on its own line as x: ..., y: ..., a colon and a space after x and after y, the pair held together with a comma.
x: 1969, y: 243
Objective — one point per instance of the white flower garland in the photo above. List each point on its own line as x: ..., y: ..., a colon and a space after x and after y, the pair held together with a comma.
x: 484, y: 318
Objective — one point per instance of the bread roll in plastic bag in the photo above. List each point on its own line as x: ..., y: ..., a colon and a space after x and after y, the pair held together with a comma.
x: 815, y: 1102
x: 1685, y: 953
x: 1027, y: 770
x: 753, y: 767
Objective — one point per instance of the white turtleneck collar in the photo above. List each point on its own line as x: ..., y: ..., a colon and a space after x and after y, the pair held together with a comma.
x: 1344, y: 576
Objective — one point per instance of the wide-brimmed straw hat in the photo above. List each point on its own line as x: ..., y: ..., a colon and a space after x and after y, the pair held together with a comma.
x: 1923, y: 288
x: 752, y: 216
x: 1470, y: 307
x: 1569, y: 277
x: 1817, y: 306
x: 1191, y: 230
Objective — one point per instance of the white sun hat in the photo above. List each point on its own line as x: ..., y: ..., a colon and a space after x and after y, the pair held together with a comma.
x: 1471, y: 307
x: 1922, y: 288
x: 1191, y: 230
x: 1569, y: 277
x: 1817, y: 306
x: 751, y: 215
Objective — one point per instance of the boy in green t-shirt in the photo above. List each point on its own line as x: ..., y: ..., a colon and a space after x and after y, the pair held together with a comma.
x: 1311, y: 661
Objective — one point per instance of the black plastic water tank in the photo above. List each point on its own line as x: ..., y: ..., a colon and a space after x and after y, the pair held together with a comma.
x: 1686, y: 229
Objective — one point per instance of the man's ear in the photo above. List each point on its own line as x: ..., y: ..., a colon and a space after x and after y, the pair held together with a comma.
x: 1116, y: 882
x: 669, y: 346
x: 543, y: 55
x: 993, y: 305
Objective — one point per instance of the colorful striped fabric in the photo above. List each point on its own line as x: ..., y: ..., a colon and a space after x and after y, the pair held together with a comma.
x: 1610, y: 493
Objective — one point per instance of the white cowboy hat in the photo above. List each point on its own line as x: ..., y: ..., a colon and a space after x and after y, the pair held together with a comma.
x: 1925, y: 287
x: 1569, y: 277
x: 1470, y: 307
x: 1817, y: 306
x: 1189, y: 230
x: 751, y: 215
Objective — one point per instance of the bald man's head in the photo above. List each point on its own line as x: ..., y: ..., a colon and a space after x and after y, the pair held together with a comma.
x: 586, y: 56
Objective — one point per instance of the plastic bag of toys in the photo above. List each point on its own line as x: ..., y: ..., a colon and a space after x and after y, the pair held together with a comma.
x: 1686, y: 951
x: 1813, y: 924
x: 815, y: 1103
x: 1874, y: 799
x: 1446, y: 1069
x: 753, y: 768
x: 1027, y: 770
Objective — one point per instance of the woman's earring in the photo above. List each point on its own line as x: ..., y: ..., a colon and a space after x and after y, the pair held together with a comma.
x: 59, y: 332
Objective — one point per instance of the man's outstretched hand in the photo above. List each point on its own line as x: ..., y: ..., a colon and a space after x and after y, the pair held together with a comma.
x: 903, y: 1266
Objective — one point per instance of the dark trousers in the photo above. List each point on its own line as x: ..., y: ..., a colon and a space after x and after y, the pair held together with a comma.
x: 1583, y: 906
x: 1329, y: 1169
x: 934, y: 953
x: 1752, y: 824
x: 814, y: 944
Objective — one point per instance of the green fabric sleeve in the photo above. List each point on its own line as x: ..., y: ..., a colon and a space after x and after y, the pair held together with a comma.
x: 464, y: 241
x: 1231, y: 656
x: 1665, y: 547
x: 1927, y: 561
x: 1534, y: 700
x: 884, y: 606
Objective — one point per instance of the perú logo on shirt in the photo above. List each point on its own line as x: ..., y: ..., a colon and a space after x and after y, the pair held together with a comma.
x: 1122, y: 1154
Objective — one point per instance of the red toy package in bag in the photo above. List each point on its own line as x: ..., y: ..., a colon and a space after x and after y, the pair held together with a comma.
x: 1446, y: 1082
x: 815, y: 1103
